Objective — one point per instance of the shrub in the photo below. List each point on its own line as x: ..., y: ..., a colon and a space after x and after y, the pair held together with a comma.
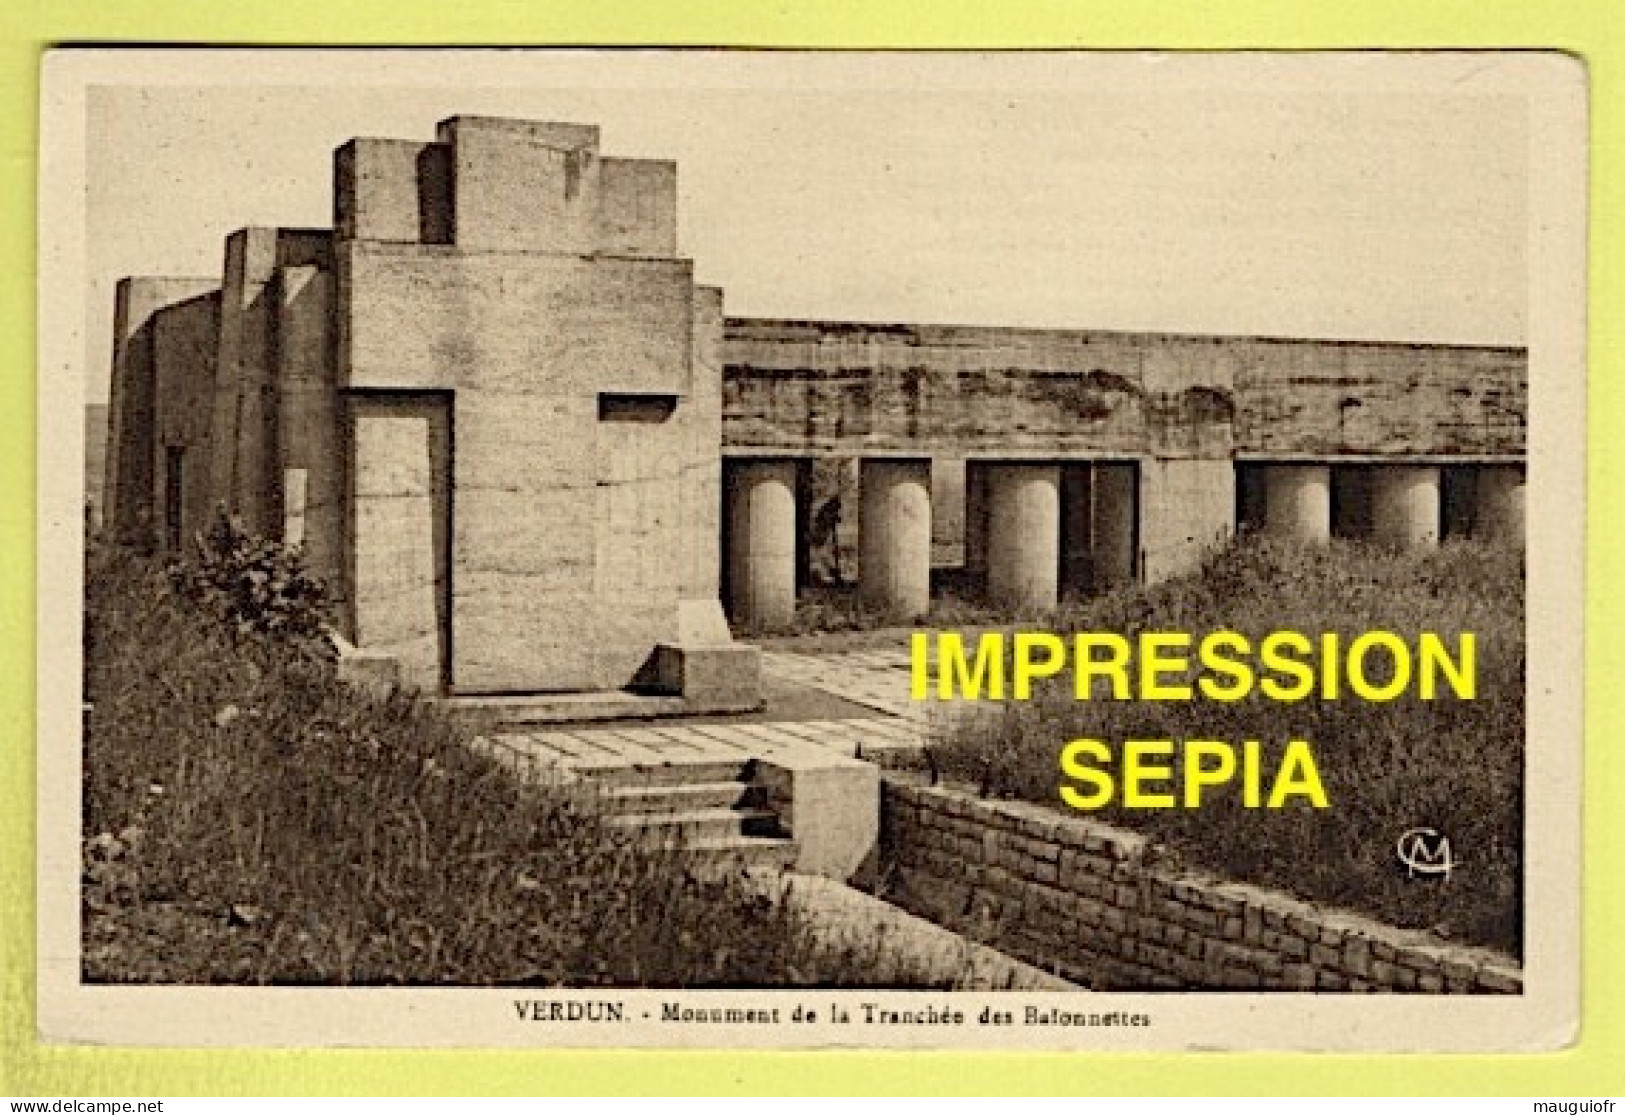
x: 255, y: 587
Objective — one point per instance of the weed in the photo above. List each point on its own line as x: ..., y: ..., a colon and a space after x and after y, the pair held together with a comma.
x: 1449, y: 764
x: 250, y: 819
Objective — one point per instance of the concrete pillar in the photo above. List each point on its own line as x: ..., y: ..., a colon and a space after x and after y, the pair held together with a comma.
x: 1024, y: 535
x: 1499, y: 514
x: 1405, y: 505
x: 1113, y: 526
x: 1298, y: 502
x: 975, y: 518
x: 701, y: 413
x: 894, y: 546
x: 308, y: 422
x: 762, y: 542
x: 244, y: 473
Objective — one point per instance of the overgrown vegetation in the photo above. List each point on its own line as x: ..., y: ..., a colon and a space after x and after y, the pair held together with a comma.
x: 824, y: 608
x: 249, y: 819
x: 255, y: 587
x: 1453, y: 765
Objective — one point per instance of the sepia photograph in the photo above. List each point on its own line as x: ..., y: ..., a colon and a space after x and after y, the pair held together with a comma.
x: 1048, y: 550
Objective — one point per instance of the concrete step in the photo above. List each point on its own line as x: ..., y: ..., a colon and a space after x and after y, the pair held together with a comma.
x: 731, y: 853
x: 678, y: 797
x: 676, y: 772
x: 686, y: 827
x: 519, y: 710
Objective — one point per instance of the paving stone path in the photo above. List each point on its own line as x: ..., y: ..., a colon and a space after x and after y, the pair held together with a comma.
x: 876, y: 679
x: 590, y: 749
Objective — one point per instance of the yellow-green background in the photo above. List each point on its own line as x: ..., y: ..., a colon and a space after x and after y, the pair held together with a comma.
x: 1593, y: 29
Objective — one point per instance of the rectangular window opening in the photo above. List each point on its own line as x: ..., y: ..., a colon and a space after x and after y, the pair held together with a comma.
x: 649, y: 408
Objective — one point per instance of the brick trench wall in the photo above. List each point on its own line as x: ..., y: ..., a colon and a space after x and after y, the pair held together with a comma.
x: 1090, y: 903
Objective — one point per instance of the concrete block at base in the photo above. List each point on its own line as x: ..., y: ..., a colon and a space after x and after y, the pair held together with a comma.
x: 828, y: 804
x: 702, y: 623
x: 369, y: 670
x: 717, y: 678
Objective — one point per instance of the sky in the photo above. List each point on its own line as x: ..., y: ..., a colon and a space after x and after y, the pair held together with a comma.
x: 1050, y: 190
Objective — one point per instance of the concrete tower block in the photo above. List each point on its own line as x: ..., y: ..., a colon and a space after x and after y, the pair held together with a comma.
x: 392, y: 189
x: 1499, y: 514
x: 245, y: 473
x: 895, y: 544
x: 1024, y: 535
x: 1113, y: 529
x: 1298, y: 502
x: 135, y: 414
x: 522, y: 185
x: 185, y: 339
x: 1405, y: 505
x: 762, y: 542
x: 309, y: 422
x: 637, y: 207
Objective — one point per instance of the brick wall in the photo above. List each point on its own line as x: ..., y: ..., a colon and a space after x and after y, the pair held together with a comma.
x: 1090, y: 903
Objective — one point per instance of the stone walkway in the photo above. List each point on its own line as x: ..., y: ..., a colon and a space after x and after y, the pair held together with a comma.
x: 875, y: 679
x: 584, y: 750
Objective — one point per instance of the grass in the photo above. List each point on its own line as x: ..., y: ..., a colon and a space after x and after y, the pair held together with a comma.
x: 832, y: 616
x: 248, y: 819
x: 1453, y: 765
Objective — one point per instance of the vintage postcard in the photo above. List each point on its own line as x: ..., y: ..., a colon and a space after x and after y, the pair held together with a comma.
x: 890, y: 550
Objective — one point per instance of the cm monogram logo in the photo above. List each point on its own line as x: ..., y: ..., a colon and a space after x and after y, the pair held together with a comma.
x: 1425, y: 851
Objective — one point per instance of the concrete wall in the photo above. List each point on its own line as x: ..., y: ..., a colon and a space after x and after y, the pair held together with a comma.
x: 544, y: 598
x: 1079, y: 898
x: 523, y: 185
x: 245, y: 470
x: 310, y: 424
x: 830, y: 389
x: 399, y: 505
x: 1297, y: 397
x: 185, y: 341
x: 702, y: 460
x: 836, y: 388
x: 96, y: 437
x: 393, y: 189
x: 413, y: 317
x: 639, y: 207
x: 1187, y: 510
x: 132, y: 446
